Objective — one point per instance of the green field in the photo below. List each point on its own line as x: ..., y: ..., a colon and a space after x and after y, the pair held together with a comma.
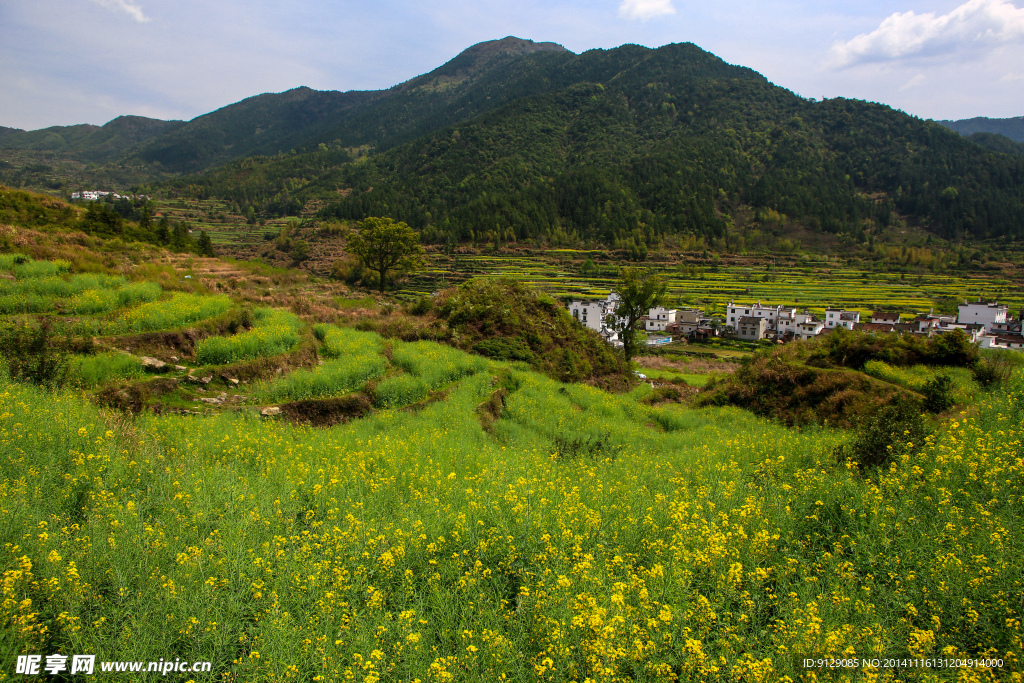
x: 814, y: 286
x: 473, y: 520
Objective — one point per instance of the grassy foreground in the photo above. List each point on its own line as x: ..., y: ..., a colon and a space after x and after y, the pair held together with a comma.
x: 513, y: 528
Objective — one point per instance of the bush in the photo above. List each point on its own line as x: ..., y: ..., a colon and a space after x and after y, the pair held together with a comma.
x: 886, y: 435
x: 422, y: 306
x: 33, y: 353
x: 938, y: 394
x: 991, y: 372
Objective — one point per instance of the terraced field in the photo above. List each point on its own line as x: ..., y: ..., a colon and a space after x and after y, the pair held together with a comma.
x: 461, y: 519
x: 813, y: 287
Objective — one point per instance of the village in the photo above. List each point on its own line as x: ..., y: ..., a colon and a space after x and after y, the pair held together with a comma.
x: 989, y: 324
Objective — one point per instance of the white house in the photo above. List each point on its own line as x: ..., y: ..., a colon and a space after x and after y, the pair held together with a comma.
x: 1002, y: 341
x: 751, y: 327
x: 659, y: 318
x: 771, y: 314
x: 789, y: 321
x: 837, y: 317
x: 593, y: 314
x: 987, y: 314
x: 808, y: 329
x: 886, y: 318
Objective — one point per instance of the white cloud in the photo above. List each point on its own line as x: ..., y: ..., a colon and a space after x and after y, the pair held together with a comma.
x: 913, y: 82
x: 126, y: 6
x: 645, y: 9
x: 977, y: 24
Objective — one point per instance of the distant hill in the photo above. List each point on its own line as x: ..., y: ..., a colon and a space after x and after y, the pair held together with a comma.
x: 626, y: 147
x: 629, y: 146
x: 1012, y: 128
x: 272, y: 123
x: 997, y: 143
x: 277, y: 122
x: 88, y: 142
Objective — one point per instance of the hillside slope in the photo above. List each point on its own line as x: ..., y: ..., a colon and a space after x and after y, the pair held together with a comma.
x: 88, y: 142
x: 630, y: 145
x: 1012, y: 128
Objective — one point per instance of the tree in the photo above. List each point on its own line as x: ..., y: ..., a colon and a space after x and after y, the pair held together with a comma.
x: 385, y: 246
x: 205, y: 244
x: 639, y: 291
x: 299, y: 251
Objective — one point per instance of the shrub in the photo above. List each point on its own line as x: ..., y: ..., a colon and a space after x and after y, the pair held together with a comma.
x: 991, y: 372
x: 938, y: 394
x: 885, y: 436
x: 33, y: 353
x: 422, y: 306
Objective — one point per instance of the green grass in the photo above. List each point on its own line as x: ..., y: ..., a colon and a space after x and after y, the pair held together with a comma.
x: 183, y: 308
x: 965, y: 389
x: 354, y: 359
x: 690, y: 378
x: 274, y: 332
x: 581, y: 524
x: 93, y: 371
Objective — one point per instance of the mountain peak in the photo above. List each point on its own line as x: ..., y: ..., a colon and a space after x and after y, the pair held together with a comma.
x: 509, y: 45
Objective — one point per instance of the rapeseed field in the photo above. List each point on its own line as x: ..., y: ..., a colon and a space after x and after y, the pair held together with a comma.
x: 580, y: 536
x: 488, y: 523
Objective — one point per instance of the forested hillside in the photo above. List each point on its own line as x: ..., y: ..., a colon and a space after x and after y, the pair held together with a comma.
x: 514, y: 139
x: 88, y: 142
x: 629, y: 145
x: 1012, y: 128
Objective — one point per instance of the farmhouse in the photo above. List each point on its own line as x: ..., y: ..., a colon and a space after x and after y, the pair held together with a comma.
x: 808, y: 329
x: 987, y: 314
x: 886, y: 318
x: 769, y: 313
x: 837, y: 317
x: 594, y: 314
x: 751, y: 327
x: 660, y: 318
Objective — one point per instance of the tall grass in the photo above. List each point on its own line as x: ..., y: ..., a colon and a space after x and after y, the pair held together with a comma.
x: 355, y: 359
x: 275, y: 332
x: 95, y: 301
x: 13, y: 304
x: 183, y: 308
x: 33, y: 269
x: 333, y: 377
x: 336, y: 342
x: 436, y: 364
x: 61, y: 287
x: 579, y: 538
x: 92, y: 371
x: 7, y: 261
x: 965, y: 389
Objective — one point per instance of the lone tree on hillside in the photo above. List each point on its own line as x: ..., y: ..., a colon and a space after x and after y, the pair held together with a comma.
x: 385, y: 246
x: 639, y: 291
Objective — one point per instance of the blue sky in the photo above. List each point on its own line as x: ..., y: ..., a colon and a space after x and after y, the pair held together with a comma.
x: 87, y: 61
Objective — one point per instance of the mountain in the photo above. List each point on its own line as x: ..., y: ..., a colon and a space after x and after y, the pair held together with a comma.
x: 276, y: 122
x: 628, y: 147
x: 1012, y: 128
x: 88, y: 142
x: 271, y: 123
x: 997, y: 143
